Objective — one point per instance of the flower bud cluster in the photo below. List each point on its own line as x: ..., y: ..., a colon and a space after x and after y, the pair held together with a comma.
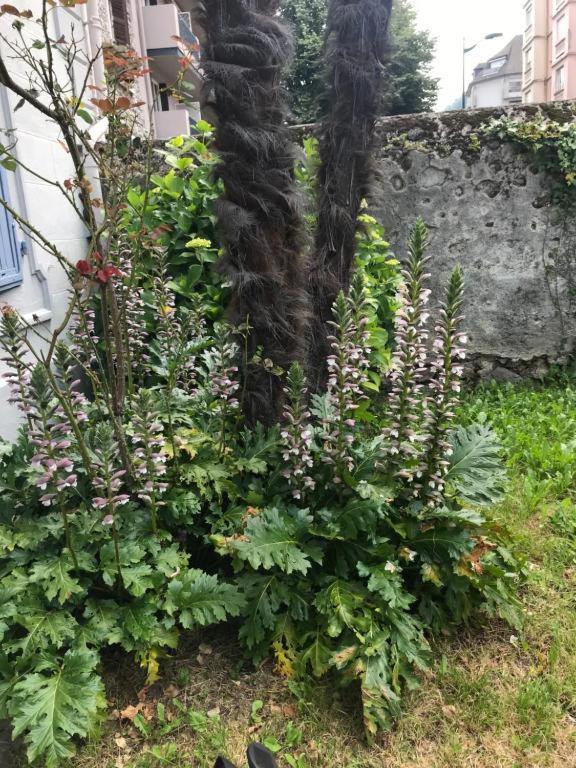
x: 347, y: 366
x: 108, y: 492
x: 297, y: 435
x: 448, y: 354
x: 409, y: 362
x: 149, y: 461
x: 17, y: 375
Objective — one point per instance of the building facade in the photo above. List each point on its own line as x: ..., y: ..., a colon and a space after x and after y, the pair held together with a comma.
x: 31, y: 280
x: 497, y: 82
x: 549, y: 51
x: 160, y: 31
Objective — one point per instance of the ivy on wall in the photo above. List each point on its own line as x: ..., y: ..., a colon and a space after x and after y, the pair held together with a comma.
x: 552, y: 143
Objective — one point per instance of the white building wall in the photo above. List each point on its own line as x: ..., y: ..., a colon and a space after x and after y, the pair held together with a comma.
x: 487, y: 94
x: 42, y: 295
x: 495, y: 92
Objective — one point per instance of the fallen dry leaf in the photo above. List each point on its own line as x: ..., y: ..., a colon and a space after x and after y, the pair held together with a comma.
x: 171, y: 691
x: 130, y: 712
x: 120, y: 742
x: 213, y: 712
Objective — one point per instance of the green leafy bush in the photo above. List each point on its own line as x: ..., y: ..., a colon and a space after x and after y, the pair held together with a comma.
x: 340, y: 542
x: 177, y: 207
x: 135, y: 505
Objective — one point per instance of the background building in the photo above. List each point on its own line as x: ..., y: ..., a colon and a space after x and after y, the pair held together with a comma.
x: 161, y: 31
x: 549, y: 53
x: 498, y: 81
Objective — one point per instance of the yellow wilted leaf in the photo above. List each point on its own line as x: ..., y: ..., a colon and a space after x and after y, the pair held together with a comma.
x: 149, y: 662
x: 284, y: 658
x: 431, y: 573
x: 189, y: 440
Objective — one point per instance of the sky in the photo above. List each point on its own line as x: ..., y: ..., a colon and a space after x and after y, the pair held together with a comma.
x: 451, y: 20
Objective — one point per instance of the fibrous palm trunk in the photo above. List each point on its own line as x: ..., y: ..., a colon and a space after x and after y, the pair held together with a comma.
x: 356, y: 44
x: 246, y: 51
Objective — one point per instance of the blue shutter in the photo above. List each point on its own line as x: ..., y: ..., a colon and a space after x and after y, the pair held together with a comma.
x: 10, y: 261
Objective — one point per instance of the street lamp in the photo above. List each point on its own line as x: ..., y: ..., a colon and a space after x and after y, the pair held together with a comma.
x: 466, y: 49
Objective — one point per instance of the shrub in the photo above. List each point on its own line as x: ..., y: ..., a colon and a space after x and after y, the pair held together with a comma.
x: 347, y: 542
x: 176, y: 205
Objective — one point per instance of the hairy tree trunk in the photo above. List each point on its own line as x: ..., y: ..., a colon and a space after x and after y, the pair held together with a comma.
x: 247, y: 48
x: 356, y: 43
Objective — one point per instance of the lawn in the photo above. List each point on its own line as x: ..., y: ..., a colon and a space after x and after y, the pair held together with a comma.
x: 493, y: 699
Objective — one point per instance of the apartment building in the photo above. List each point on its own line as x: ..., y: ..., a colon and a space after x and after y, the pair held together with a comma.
x: 161, y: 31
x: 549, y: 51
x: 498, y: 81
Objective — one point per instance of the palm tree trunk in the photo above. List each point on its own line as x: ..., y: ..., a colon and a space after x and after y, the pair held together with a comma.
x: 260, y: 221
x: 356, y: 44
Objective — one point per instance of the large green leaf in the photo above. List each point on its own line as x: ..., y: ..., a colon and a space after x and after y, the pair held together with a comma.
x: 199, y: 598
x: 54, y: 574
x: 476, y: 471
x: 58, y: 700
x: 44, y: 629
x: 277, y: 539
x: 265, y: 594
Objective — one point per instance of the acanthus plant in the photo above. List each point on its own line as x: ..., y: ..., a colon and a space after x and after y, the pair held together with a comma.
x: 93, y: 512
x: 346, y: 560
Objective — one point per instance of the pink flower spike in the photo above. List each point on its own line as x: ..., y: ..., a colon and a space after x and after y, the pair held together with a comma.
x: 99, y: 502
x: 108, y: 520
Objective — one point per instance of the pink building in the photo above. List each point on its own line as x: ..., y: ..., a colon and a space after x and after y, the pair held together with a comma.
x: 549, y: 51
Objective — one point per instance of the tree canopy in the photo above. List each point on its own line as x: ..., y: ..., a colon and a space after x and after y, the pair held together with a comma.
x: 409, y: 85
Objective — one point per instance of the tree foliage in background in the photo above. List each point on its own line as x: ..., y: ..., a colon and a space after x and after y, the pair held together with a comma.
x: 409, y: 85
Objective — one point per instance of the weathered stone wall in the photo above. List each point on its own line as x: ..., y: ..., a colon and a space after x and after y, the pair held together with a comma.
x: 489, y: 210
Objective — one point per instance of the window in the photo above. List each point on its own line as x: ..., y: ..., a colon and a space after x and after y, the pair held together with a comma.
x: 498, y: 63
x: 120, y: 21
x: 561, y: 28
x: 527, y: 62
x: 514, y: 86
x: 529, y: 14
x: 161, y: 98
x: 559, y: 80
x: 10, y: 262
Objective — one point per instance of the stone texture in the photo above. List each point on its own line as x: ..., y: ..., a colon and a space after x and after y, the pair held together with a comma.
x: 488, y: 210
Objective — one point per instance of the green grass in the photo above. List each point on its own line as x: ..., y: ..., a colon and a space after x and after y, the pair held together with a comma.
x: 495, y: 698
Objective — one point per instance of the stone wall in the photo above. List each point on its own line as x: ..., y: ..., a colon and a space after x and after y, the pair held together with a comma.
x: 489, y: 210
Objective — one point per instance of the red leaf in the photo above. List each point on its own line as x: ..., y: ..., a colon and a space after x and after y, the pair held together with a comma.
x: 84, y: 267
x: 9, y: 9
x: 122, y: 103
x: 105, y: 105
